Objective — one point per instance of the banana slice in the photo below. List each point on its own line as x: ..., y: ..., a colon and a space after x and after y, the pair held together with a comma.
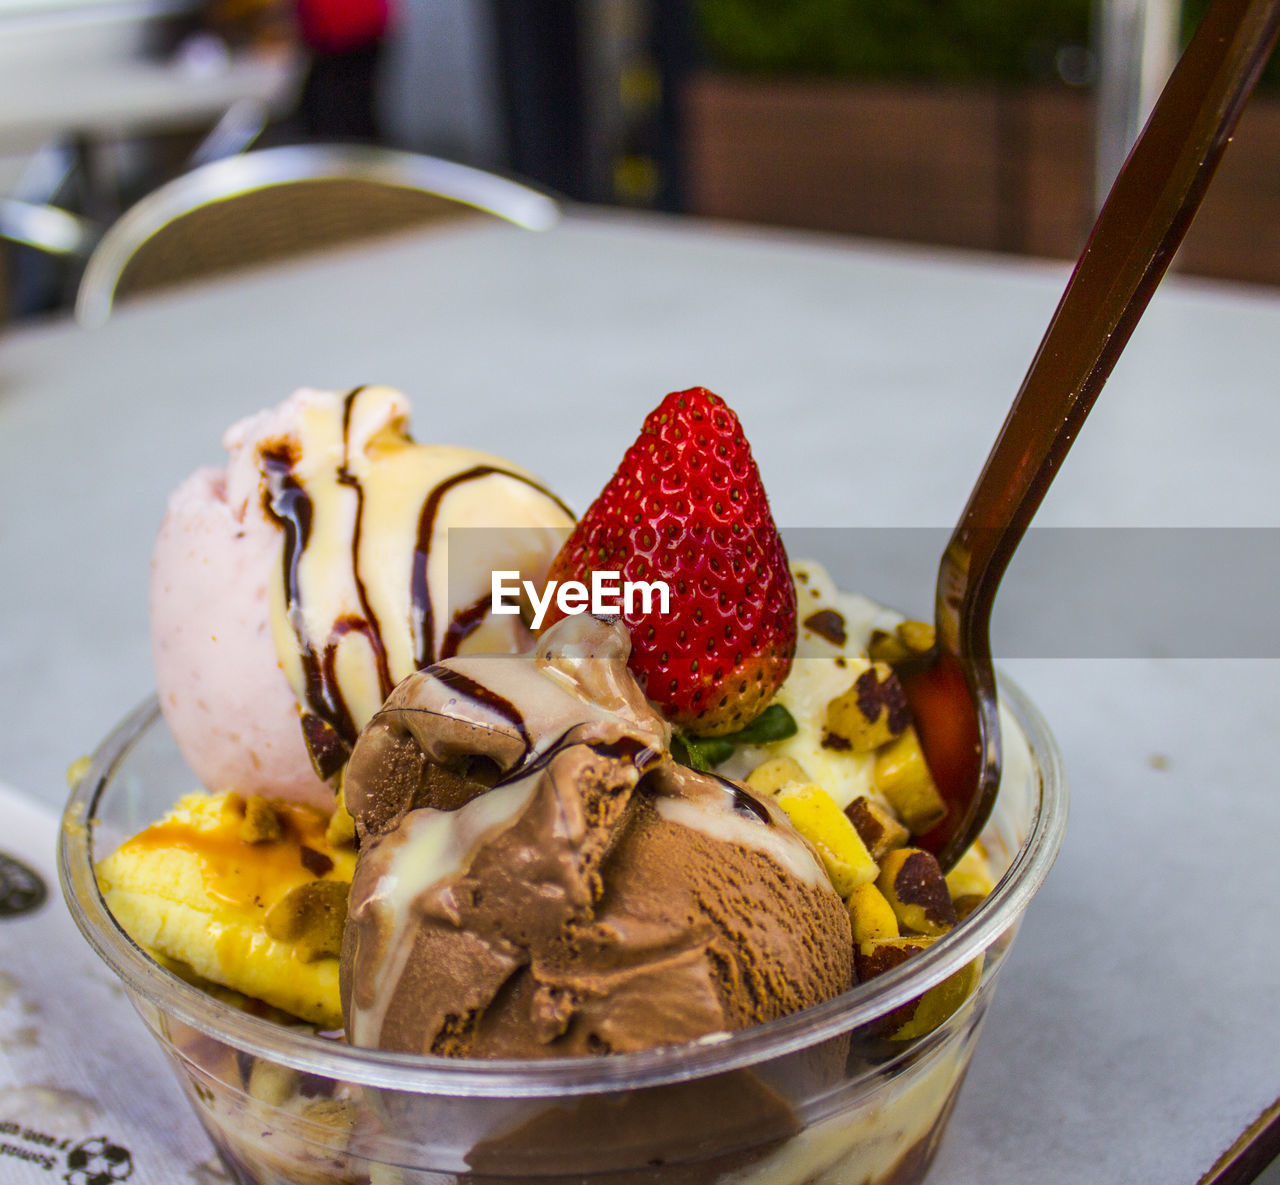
x: 200, y: 885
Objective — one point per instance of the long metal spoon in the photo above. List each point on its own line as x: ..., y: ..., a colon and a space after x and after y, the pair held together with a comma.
x: 952, y: 690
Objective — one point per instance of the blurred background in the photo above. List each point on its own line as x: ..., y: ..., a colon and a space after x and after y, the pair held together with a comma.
x: 982, y: 124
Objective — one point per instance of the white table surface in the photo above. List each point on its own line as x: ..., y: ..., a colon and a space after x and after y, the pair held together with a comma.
x: 1135, y: 1033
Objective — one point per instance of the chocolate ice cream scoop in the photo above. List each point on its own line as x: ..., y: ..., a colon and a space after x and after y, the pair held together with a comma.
x: 537, y: 877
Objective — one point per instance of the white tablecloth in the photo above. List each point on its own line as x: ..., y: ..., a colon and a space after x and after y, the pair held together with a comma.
x: 69, y: 1039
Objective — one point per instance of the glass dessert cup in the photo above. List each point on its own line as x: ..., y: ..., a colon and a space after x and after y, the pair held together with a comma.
x: 858, y: 1089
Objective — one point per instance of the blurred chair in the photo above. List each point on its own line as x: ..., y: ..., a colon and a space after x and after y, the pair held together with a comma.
x: 46, y: 228
x: 241, y: 124
x: 43, y: 243
x: 287, y: 201
x: 56, y: 242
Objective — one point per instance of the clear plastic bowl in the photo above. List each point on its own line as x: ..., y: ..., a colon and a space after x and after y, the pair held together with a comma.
x: 827, y: 1095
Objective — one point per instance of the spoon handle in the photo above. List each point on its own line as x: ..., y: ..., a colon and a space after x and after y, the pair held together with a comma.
x: 1132, y: 243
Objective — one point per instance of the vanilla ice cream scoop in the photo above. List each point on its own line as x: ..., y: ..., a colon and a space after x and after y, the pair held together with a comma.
x: 293, y: 590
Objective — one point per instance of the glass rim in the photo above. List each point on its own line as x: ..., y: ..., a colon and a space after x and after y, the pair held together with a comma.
x: 554, y: 1077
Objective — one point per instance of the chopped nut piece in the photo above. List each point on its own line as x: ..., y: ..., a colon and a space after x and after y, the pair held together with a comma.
x: 909, y: 640
x: 814, y: 813
x: 273, y: 1084
x: 872, y: 712
x: 914, y: 886
x: 875, y: 956
x: 337, y: 1113
x: 316, y: 863
x: 261, y: 824
x: 872, y: 916
x: 940, y: 1002
x: 771, y: 776
x: 902, y: 776
x: 311, y: 917
x: 880, y: 831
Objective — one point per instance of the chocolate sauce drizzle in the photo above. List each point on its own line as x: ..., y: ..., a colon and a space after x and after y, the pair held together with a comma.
x: 327, y: 721
x: 465, y: 623
x: 372, y: 630
x: 535, y: 762
x: 623, y: 749
x: 743, y: 802
x: 421, y: 614
x: 472, y: 689
x: 536, y: 758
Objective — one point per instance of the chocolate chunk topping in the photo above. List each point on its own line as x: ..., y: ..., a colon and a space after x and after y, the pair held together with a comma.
x: 828, y: 624
x: 328, y: 750
x: 870, y: 830
x: 920, y: 882
x: 873, y: 695
x: 833, y: 740
x: 879, y: 957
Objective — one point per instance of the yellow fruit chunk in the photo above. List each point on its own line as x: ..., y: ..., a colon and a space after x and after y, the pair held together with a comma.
x: 914, y: 886
x: 940, y: 1002
x: 872, y: 916
x: 934, y: 1006
x: 273, y: 1084
x: 870, y: 714
x: 902, y: 776
x: 192, y: 888
x: 909, y: 640
x: 814, y: 813
x: 971, y: 876
x: 771, y: 776
x: 341, y: 832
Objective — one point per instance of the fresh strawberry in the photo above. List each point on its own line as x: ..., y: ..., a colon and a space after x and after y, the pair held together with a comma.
x: 687, y: 506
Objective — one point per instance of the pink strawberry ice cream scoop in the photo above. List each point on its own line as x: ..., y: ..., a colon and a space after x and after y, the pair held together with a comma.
x: 291, y: 591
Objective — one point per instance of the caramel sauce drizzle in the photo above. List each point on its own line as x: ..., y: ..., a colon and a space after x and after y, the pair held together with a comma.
x: 241, y: 874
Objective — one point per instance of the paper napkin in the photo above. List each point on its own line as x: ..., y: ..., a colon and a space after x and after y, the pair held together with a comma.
x: 86, y: 1096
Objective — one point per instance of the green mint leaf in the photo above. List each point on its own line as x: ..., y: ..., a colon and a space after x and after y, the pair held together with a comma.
x: 687, y: 754
x: 775, y: 723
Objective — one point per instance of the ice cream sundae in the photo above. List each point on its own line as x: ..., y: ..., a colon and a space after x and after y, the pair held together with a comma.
x: 461, y: 826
